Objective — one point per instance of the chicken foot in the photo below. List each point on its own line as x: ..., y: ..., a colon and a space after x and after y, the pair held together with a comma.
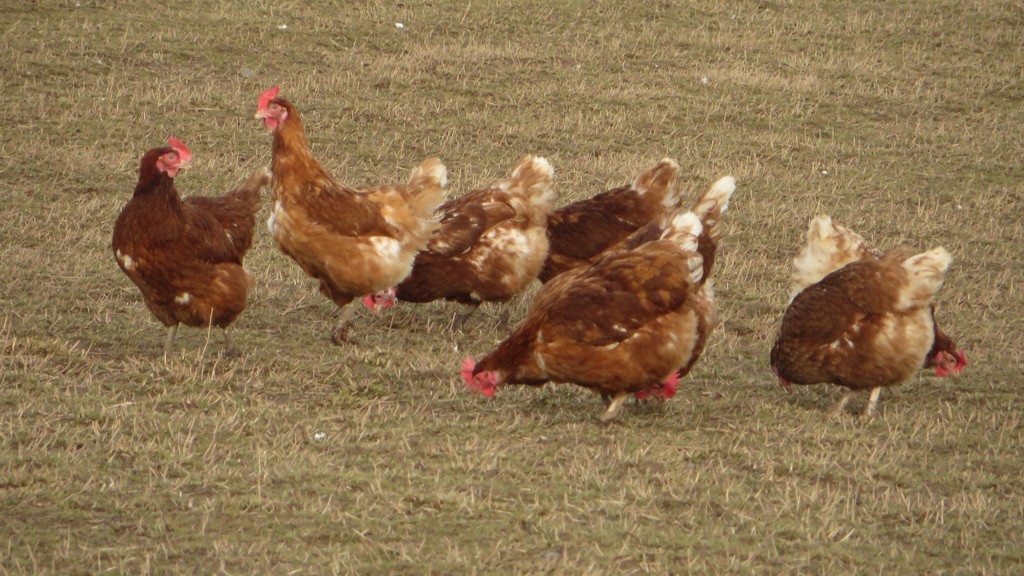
x: 504, y: 316
x: 172, y: 331
x: 460, y: 320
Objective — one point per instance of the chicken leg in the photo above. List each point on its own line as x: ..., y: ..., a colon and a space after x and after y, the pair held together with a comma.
x: 614, y: 407
x: 837, y: 410
x: 229, y: 347
x: 169, y: 341
x: 869, y: 408
x: 340, y: 334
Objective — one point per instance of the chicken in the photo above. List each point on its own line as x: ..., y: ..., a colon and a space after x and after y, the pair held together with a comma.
x: 355, y: 243
x: 491, y: 244
x: 830, y: 247
x: 868, y: 324
x: 709, y: 207
x: 581, y: 231
x: 629, y: 323
x: 186, y: 256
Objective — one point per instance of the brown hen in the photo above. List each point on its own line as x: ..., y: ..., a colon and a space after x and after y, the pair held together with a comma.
x: 491, y: 244
x: 581, y: 231
x: 355, y: 243
x: 868, y: 324
x: 186, y: 256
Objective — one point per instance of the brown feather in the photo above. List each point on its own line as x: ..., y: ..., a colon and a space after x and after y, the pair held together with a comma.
x: 847, y: 329
x: 620, y: 325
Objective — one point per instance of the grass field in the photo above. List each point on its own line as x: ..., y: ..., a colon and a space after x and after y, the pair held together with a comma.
x: 902, y: 120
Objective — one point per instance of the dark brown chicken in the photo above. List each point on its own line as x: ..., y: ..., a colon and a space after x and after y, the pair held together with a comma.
x: 581, y: 231
x: 186, y: 256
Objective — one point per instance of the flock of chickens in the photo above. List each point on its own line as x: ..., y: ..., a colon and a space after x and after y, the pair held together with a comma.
x: 626, y: 305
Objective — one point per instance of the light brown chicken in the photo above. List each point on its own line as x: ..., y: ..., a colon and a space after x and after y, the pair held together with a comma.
x: 355, y: 243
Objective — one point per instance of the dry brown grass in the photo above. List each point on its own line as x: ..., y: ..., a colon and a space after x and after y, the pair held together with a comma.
x: 902, y: 120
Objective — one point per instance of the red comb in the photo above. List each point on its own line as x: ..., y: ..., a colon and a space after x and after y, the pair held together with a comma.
x: 267, y: 96
x: 183, y: 152
x: 485, y: 383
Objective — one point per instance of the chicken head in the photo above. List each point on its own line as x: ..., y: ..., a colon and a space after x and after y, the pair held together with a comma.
x: 171, y: 162
x: 269, y: 111
x: 950, y: 363
x: 485, y: 382
x: 662, y: 390
x: 380, y: 300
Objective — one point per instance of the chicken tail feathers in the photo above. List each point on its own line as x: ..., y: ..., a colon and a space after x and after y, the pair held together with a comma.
x: 925, y: 274
x: 236, y: 210
x: 685, y: 230
x: 829, y: 247
x: 427, y: 187
x: 661, y: 179
x: 713, y: 203
x: 533, y: 177
x: 534, y: 174
x: 248, y: 194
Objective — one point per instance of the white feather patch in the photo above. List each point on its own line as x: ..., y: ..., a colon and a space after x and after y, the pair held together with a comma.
x: 273, y: 217
x: 125, y: 260
x: 510, y: 242
x: 925, y: 273
x: 386, y: 247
